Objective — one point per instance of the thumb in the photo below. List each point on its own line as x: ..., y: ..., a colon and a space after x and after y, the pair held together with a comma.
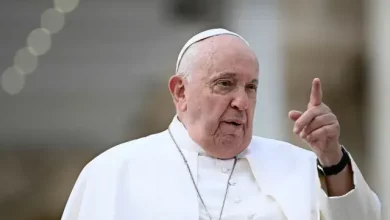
x: 294, y: 115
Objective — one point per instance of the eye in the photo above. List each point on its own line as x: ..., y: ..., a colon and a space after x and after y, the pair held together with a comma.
x: 252, y: 86
x: 225, y: 83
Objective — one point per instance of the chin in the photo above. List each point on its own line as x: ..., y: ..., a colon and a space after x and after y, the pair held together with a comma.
x: 229, y: 148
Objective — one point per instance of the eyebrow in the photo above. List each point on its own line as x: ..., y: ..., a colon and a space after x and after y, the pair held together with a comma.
x: 232, y: 75
x: 255, y: 81
x: 225, y: 74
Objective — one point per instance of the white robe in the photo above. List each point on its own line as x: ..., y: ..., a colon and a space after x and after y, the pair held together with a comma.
x: 146, y: 179
x: 244, y: 200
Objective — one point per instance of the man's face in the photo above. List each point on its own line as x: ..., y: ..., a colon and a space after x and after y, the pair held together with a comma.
x: 221, y: 97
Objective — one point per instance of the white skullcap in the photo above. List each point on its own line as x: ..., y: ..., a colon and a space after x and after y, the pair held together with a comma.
x: 204, y: 35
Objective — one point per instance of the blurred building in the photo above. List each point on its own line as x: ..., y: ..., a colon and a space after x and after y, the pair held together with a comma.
x: 104, y: 82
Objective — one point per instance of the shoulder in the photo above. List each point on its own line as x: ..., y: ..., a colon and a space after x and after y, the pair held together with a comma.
x: 281, y: 148
x: 121, y: 154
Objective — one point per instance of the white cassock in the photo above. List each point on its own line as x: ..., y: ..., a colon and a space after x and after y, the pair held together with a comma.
x: 146, y: 179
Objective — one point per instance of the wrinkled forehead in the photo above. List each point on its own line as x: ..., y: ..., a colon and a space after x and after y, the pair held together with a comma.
x: 226, y: 54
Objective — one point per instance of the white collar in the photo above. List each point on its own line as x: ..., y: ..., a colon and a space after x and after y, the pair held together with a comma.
x: 184, y: 140
x: 275, y: 169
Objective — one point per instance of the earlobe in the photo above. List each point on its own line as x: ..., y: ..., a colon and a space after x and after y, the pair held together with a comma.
x: 182, y: 106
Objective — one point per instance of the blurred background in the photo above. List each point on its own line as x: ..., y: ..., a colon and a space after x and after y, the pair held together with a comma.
x: 83, y: 77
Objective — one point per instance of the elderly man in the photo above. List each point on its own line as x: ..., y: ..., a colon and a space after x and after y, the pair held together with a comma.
x: 207, y: 164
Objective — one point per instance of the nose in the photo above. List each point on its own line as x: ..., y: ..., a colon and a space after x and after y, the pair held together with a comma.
x: 240, y: 100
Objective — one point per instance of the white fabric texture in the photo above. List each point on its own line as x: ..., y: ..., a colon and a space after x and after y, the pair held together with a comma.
x: 244, y: 200
x: 146, y: 179
x: 204, y: 35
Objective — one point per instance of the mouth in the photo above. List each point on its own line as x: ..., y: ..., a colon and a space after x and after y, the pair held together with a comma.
x: 235, y: 122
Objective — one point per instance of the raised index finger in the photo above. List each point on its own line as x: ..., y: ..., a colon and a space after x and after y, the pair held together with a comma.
x: 316, y: 93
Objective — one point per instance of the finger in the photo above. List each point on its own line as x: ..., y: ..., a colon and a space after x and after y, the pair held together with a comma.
x: 323, y: 133
x: 318, y: 122
x: 316, y: 93
x: 308, y: 116
x: 294, y: 115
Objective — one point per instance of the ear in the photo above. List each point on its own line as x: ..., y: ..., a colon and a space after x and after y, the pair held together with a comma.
x: 177, y: 87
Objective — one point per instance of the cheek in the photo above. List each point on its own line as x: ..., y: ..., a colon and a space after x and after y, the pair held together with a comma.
x: 213, y: 108
x: 192, y: 101
x: 218, y: 106
x: 252, y: 103
x: 251, y: 111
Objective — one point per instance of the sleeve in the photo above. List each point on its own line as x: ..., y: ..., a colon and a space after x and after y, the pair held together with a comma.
x: 361, y: 203
x: 74, y: 204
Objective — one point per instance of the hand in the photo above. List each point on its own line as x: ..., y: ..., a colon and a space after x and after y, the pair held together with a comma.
x: 319, y: 127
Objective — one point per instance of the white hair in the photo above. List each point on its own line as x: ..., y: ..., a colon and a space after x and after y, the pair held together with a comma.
x: 189, y: 52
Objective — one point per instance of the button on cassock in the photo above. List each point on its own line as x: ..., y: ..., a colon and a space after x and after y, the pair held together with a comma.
x: 251, y: 216
x: 225, y: 170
